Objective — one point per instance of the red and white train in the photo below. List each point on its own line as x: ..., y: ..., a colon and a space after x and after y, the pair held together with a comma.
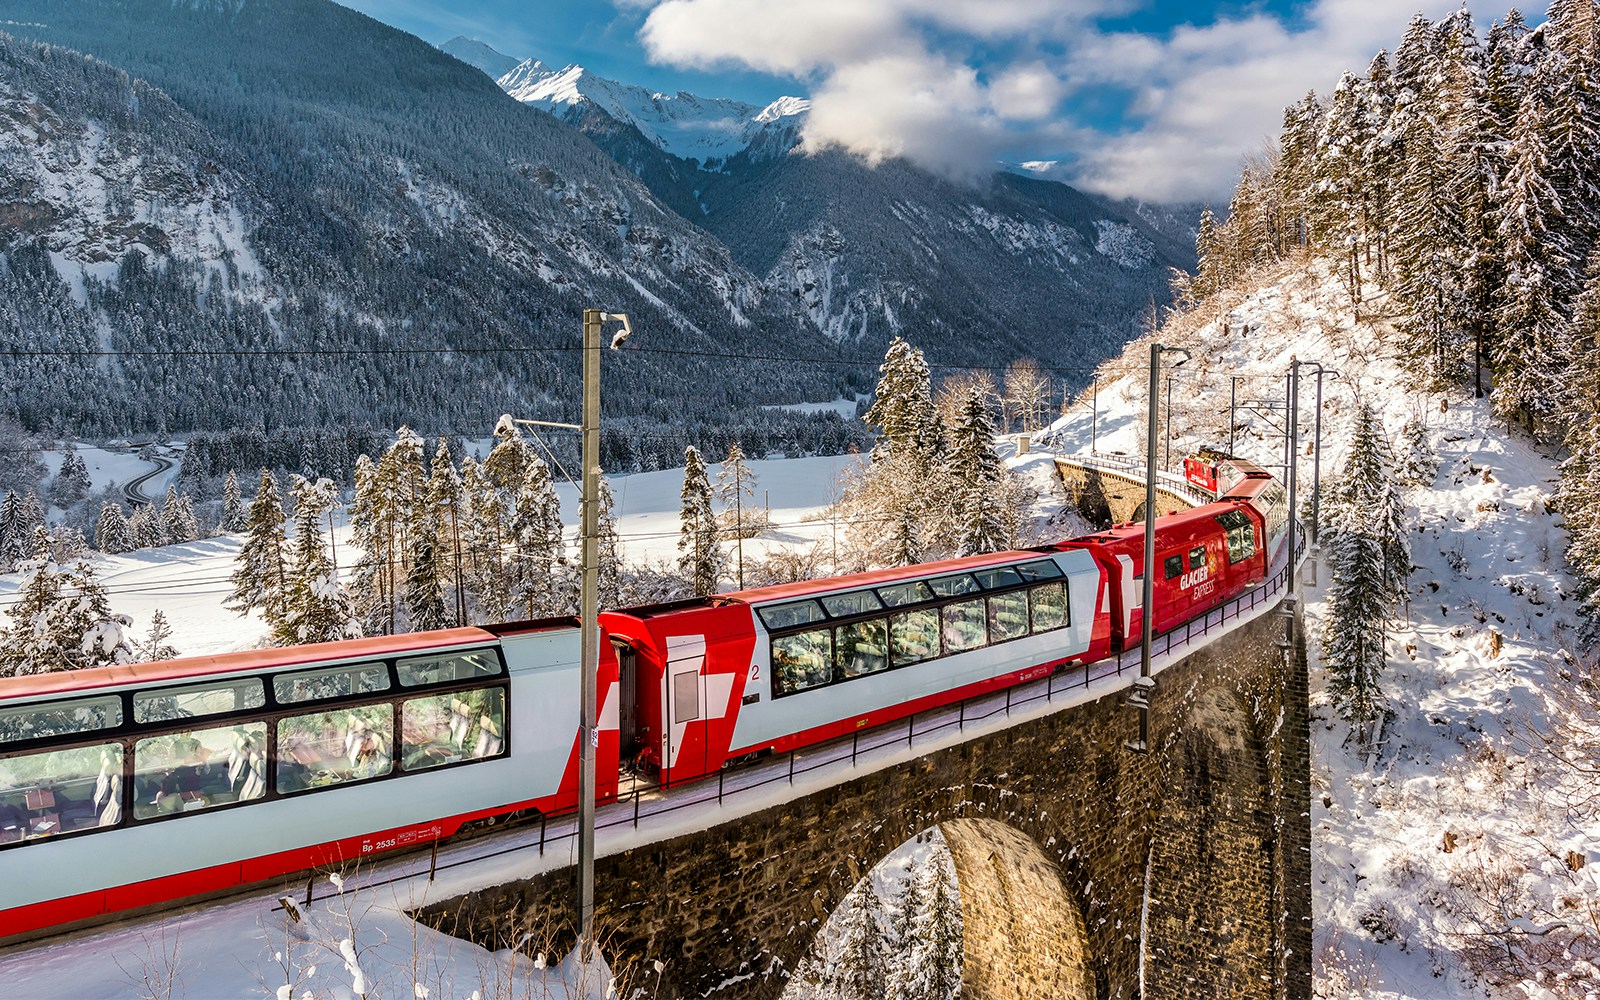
x: 126, y: 788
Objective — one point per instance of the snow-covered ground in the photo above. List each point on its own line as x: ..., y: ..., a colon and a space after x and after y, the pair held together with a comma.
x: 1447, y: 841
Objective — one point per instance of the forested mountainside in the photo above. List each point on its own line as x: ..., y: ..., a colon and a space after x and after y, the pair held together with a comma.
x: 1003, y: 267
x: 317, y: 219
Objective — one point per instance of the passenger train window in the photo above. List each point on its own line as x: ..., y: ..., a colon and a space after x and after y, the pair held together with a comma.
x: 861, y: 648
x: 60, y: 791
x: 1000, y: 576
x: 1049, y: 606
x: 198, y: 769
x: 1045, y: 569
x: 59, y: 718
x: 194, y: 701
x: 330, y: 682
x: 900, y: 594
x: 803, y: 660
x: 913, y: 636
x: 443, y: 729
x: 1197, y: 557
x: 858, y: 602
x: 954, y: 586
x: 964, y: 625
x: 336, y: 746
x: 1008, y: 616
x: 780, y: 616
x: 1241, y: 534
x: 449, y: 668
x: 1173, y: 566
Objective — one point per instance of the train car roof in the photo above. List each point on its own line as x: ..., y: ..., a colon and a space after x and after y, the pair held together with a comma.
x: 1175, y: 527
x: 762, y: 595
x: 68, y: 681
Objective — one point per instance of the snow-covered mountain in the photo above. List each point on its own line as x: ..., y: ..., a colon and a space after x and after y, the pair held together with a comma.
x: 707, y: 130
x: 479, y: 55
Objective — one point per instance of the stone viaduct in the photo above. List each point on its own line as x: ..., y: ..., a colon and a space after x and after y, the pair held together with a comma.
x: 1085, y: 870
x: 1107, y: 495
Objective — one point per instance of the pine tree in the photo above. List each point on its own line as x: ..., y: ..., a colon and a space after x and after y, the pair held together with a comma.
x: 155, y: 645
x: 610, y: 582
x: 1528, y: 357
x: 234, y: 517
x: 855, y: 968
x: 1578, y: 491
x: 72, y: 481
x: 932, y: 955
x: 736, y: 492
x: 536, y: 575
x: 177, y: 520
x: 1370, y: 559
x: 975, y: 482
x: 16, y: 535
x: 699, y: 554
x: 447, y: 501
x: 372, y: 582
x: 315, y: 606
x: 1429, y: 231
x: 424, y: 591
x: 902, y: 408
x: 62, y: 619
x: 260, y: 575
x: 1210, y: 274
x: 111, y: 534
x: 490, y: 585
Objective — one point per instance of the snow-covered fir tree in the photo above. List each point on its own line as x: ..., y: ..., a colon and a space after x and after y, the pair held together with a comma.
x: 16, y: 528
x: 447, y: 504
x: 539, y: 576
x: 424, y: 588
x: 929, y: 956
x: 111, y: 534
x: 260, y: 574
x: 610, y: 574
x: 699, y: 551
x: 890, y: 504
x: 853, y: 965
x: 72, y: 481
x: 1528, y: 358
x: 1370, y: 562
x: 234, y: 517
x: 736, y: 492
x: 62, y: 619
x: 976, y: 476
x: 315, y: 606
x: 177, y: 520
x: 155, y: 645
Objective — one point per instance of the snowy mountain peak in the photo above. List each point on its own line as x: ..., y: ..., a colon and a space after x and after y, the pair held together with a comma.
x: 784, y: 107
x: 684, y: 125
x: 479, y: 55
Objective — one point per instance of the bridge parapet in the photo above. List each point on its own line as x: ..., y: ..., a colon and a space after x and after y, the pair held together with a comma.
x: 1112, y: 490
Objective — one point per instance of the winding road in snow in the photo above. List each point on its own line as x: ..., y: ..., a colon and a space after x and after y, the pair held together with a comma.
x: 134, y: 490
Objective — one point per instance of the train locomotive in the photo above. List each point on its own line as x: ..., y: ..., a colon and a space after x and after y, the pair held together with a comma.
x: 128, y: 788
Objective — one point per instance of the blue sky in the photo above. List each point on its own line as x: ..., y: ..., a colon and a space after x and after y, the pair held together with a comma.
x: 1141, y: 98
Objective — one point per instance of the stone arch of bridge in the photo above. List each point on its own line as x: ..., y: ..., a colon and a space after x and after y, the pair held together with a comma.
x: 1024, y: 935
x: 1211, y: 862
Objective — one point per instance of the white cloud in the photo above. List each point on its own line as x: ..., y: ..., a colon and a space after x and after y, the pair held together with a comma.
x: 950, y: 83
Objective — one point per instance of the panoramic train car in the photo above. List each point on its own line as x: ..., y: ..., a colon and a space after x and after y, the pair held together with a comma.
x: 783, y: 667
x: 125, y: 787
x: 1205, y: 556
